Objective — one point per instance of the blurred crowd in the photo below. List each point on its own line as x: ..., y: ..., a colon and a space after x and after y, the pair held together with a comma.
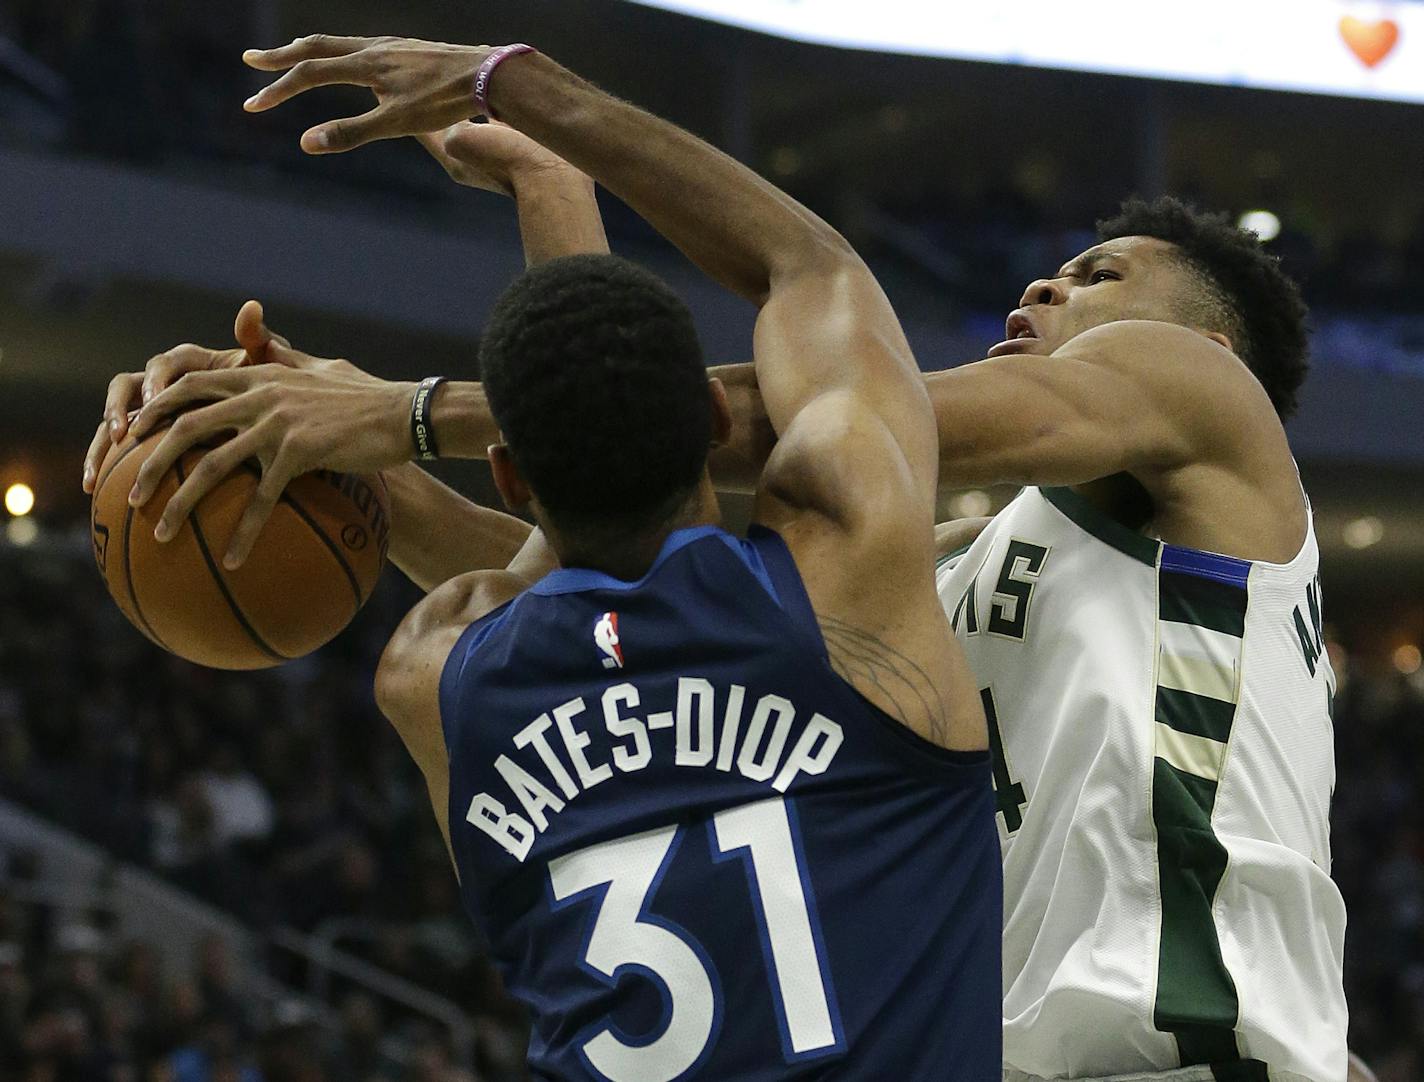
x: 133, y: 78
x: 158, y: 82
x: 1377, y: 839
x: 284, y: 798
x: 1008, y: 237
x: 80, y: 1004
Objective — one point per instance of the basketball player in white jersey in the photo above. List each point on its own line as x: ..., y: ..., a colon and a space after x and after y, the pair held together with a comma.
x: 1144, y: 621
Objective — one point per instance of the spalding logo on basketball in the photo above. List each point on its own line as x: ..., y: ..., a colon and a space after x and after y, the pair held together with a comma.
x: 374, y: 511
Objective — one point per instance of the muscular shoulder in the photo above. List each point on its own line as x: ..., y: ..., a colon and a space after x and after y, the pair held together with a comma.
x: 1193, y: 379
x: 460, y: 602
x: 429, y: 631
x: 408, y: 677
x: 1231, y: 485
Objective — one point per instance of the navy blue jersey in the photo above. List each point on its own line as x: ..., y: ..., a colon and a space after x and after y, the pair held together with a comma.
x: 697, y: 852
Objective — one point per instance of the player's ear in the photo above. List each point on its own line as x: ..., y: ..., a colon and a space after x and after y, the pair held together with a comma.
x: 513, y: 489
x: 1220, y: 339
x: 721, y: 413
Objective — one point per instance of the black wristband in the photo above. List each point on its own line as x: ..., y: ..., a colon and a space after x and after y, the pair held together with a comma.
x: 421, y: 432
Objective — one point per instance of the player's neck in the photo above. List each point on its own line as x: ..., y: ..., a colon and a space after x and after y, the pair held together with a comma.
x: 629, y: 557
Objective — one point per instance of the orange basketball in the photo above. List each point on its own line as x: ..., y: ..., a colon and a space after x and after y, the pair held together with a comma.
x: 314, y: 564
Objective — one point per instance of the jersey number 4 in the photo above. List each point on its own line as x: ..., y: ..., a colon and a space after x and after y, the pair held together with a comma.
x: 1009, y: 795
x: 625, y: 936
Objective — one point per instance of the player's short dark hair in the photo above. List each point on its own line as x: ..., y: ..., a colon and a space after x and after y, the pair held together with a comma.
x: 1244, y: 293
x: 595, y: 377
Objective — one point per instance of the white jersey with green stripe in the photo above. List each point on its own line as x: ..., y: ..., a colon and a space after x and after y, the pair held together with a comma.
x: 1164, y: 761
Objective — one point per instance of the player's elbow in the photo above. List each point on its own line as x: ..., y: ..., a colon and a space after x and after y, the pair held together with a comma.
x: 822, y: 257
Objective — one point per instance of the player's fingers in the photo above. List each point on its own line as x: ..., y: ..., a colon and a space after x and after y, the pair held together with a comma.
x: 163, y: 370
x: 434, y: 144
x: 123, y: 396
x: 189, y: 388
x: 259, y: 510
x: 98, y: 448
x: 351, y: 132
x: 210, y: 470
x: 255, y: 337
x: 192, y: 428
x: 307, y: 75
x: 311, y: 47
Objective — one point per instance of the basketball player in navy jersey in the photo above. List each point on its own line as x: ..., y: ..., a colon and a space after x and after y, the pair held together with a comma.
x: 651, y: 744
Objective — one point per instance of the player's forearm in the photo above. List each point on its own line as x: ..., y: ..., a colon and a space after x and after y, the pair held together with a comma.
x: 737, y: 464
x: 977, y: 447
x: 558, y: 215
x: 959, y: 534
x: 739, y: 229
x: 437, y: 534
x: 1024, y: 421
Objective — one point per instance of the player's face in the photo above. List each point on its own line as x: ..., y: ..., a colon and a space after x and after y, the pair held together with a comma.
x: 1126, y: 278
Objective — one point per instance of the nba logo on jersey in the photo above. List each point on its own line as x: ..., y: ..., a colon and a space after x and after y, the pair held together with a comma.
x: 605, y: 637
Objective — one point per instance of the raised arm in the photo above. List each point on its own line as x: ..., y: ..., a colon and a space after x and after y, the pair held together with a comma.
x: 739, y: 229
x: 437, y: 533
x: 852, y: 481
x: 558, y: 212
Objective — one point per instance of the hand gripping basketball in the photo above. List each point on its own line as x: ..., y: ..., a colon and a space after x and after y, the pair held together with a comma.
x: 128, y: 391
x: 312, y: 568
x: 294, y: 416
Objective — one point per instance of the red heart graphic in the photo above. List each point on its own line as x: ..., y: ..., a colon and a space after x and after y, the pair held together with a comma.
x: 1371, y: 42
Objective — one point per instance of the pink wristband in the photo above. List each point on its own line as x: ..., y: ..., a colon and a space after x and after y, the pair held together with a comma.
x: 486, y: 72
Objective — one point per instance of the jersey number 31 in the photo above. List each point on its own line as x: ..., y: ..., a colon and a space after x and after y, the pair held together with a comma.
x: 625, y: 935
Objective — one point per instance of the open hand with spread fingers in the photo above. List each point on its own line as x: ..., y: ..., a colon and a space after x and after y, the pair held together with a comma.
x: 291, y: 414
x: 420, y: 86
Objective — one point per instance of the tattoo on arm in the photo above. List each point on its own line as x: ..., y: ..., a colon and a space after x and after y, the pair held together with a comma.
x: 906, y: 690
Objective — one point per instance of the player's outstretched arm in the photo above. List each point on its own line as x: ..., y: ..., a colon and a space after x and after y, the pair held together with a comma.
x: 738, y: 228
x: 436, y: 533
x: 1128, y: 398
x: 558, y: 211
x: 1096, y: 407
x: 851, y: 484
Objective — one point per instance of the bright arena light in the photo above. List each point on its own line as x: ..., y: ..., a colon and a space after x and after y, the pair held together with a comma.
x: 19, y: 499
x: 22, y: 531
x: 972, y: 504
x: 1361, y: 533
x: 1261, y: 222
x: 1407, y: 659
